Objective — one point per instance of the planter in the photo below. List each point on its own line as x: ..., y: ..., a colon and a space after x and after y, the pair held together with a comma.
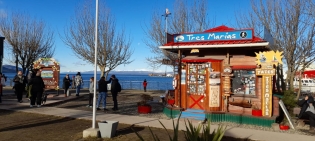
x: 171, y: 101
x: 284, y: 127
x: 108, y: 128
x: 256, y: 113
x: 144, y: 109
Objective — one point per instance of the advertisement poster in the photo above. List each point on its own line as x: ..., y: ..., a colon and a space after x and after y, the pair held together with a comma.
x: 214, y: 100
x: 215, y: 78
x: 183, y: 77
x: 47, y: 74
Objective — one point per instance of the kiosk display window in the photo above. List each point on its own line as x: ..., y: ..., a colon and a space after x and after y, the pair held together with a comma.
x: 196, y: 78
x: 243, y: 82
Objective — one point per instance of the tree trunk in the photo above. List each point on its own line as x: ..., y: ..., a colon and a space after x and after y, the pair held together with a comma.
x: 290, y: 77
x: 106, y: 75
x: 300, y: 86
x: 16, y: 63
x: 278, y: 79
x: 24, y: 70
x: 102, y: 68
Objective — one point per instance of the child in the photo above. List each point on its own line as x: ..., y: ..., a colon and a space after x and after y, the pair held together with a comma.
x: 145, y: 85
x: 91, y: 94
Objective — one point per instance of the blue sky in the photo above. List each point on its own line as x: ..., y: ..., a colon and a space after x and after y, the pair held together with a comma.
x: 132, y: 14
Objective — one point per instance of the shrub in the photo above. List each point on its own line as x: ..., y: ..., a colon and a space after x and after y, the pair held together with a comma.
x: 289, y: 100
x: 192, y: 133
x: 144, y: 99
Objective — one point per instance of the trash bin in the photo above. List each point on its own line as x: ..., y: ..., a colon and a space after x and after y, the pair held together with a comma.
x: 108, y: 128
x: 68, y: 93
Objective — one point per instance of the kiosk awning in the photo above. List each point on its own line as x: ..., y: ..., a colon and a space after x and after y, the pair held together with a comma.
x: 243, y: 67
x: 200, y: 60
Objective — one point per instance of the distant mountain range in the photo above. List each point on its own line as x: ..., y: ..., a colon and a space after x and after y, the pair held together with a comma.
x: 11, y: 69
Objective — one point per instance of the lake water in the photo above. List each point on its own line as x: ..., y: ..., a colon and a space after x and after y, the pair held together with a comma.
x: 127, y: 81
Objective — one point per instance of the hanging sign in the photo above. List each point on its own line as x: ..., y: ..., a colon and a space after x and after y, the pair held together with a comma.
x: 215, y: 36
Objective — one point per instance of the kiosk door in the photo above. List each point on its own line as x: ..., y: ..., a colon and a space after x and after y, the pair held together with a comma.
x: 196, y: 85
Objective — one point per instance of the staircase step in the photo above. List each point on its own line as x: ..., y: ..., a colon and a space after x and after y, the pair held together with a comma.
x: 194, y: 114
x: 193, y: 110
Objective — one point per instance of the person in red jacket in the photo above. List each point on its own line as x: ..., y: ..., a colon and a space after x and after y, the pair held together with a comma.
x: 145, y: 83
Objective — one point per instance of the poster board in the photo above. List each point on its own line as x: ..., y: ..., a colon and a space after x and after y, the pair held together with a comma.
x: 286, y: 113
x: 214, y: 100
x: 243, y: 82
x: 50, y: 72
x: 183, y: 77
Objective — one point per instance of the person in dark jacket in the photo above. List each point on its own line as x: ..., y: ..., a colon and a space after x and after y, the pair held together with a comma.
x: 102, y: 89
x: 310, y: 111
x: 31, y: 75
x: 37, y: 90
x: 307, y: 111
x: 303, y: 103
x: 19, y: 85
x: 114, y: 90
x: 66, y: 83
x: 78, y: 83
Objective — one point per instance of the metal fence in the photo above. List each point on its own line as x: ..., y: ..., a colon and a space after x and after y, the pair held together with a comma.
x: 135, y: 85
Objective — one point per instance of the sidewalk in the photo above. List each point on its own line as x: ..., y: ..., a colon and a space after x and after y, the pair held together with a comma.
x: 12, y: 104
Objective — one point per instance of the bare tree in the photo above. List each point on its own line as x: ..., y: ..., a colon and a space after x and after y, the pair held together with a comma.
x: 29, y: 39
x: 114, y: 48
x: 292, y: 25
x: 184, y: 18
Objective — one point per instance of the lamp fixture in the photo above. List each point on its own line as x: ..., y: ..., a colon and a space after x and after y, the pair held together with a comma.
x: 194, y: 51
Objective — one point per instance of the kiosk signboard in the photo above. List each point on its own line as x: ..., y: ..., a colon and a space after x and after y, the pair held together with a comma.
x: 267, y: 60
x: 50, y: 71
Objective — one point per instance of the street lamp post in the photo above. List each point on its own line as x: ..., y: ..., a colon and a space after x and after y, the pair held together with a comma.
x: 94, y: 132
x: 95, y: 66
x: 167, y: 13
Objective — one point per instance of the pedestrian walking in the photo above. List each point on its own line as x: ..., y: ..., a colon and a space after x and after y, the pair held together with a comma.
x: 115, y: 88
x: 78, y: 83
x: 66, y: 84
x: 31, y: 75
x: 37, y: 90
x: 19, y: 85
x: 2, y: 84
x: 91, y: 94
x: 73, y: 82
x: 145, y: 83
x: 5, y: 77
x: 102, y: 89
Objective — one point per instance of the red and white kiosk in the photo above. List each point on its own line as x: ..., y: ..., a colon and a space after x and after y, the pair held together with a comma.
x: 218, y: 76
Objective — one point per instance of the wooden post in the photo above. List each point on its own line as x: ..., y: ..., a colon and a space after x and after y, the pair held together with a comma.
x: 227, y: 70
x: 179, y: 78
